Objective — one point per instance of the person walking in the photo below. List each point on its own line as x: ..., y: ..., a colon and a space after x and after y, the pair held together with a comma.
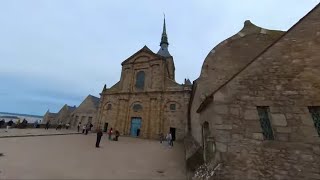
x: 99, y: 135
x: 79, y: 125
x: 110, y: 133
x: 83, y: 129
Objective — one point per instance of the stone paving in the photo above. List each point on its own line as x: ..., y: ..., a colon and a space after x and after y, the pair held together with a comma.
x: 75, y: 157
x: 33, y: 132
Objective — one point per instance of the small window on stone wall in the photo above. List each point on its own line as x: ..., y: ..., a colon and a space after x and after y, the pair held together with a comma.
x: 263, y: 112
x: 137, y: 107
x: 315, y: 113
x: 109, y: 107
x: 172, y: 107
x: 140, y: 80
x: 90, y: 119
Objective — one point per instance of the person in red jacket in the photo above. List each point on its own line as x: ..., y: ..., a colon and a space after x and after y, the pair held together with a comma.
x: 110, y: 133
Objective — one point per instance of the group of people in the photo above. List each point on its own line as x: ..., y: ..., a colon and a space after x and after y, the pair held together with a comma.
x: 10, y: 124
x: 110, y: 134
x: 168, y: 138
x: 85, y: 128
x: 59, y: 126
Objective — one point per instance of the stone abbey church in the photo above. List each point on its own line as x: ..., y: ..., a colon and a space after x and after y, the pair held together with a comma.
x: 253, y: 113
x: 147, y: 100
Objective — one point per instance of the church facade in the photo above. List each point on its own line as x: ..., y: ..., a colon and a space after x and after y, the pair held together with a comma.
x: 147, y: 100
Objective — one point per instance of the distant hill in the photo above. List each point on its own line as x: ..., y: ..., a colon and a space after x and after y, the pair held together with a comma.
x: 17, y: 114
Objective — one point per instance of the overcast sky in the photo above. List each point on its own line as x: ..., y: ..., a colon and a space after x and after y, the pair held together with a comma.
x: 56, y: 52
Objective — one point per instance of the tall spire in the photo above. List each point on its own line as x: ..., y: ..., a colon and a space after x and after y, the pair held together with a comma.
x: 163, y: 51
x: 164, y: 37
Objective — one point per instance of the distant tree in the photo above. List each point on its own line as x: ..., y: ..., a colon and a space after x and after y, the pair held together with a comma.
x: 2, y: 122
x: 23, y: 124
x: 10, y: 123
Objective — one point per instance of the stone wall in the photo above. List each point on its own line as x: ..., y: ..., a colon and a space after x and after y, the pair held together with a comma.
x: 155, y: 113
x: 286, y: 78
x: 224, y: 61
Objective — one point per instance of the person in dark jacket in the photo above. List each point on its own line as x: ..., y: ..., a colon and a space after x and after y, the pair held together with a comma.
x: 47, y: 125
x: 117, y: 134
x: 99, y: 135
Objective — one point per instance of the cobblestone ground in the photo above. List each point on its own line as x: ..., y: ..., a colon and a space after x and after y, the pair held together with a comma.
x: 30, y: 132
x: 75, y: 157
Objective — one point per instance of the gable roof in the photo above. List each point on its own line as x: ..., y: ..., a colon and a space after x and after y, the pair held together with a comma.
x: 94, y: 99
x: 144, y: 49
x: 209, y: 98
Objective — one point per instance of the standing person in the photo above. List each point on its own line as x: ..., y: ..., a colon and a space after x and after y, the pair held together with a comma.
x: 91, y: 126
x: 110, y: 133
x: 83, y: 129
x: 161, y: 137
x: 59, y: 126
x: 171, y: 139
x: 9, y: 124
x: 67, y: 126
x: 117, y: 134
x: 87, y: 128
x: 79, y: 125
x: 99, y: 135
x: 47, y: 126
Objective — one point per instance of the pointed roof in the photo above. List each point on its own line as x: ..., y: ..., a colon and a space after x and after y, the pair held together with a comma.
x: 95, y: 100
x: 164, y: 37
x: 144, y: 49
x: 163, y: 51
x: 187, y: 82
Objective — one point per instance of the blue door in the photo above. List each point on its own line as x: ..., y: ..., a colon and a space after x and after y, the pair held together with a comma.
x: 135, y: 126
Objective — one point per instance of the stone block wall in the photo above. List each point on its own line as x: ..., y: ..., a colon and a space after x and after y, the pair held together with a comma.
x: 155, y: 114
x: 224, y: 61
x: 286, y: 78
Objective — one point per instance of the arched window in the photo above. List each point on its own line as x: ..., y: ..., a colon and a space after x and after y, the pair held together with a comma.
x: 140, y: 80
x: 137, y: 107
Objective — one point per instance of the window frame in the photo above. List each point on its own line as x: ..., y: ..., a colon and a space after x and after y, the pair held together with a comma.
x: 140, y: 80
x: 173, y: 107
x: 315, y: 115
x: 265, y: 122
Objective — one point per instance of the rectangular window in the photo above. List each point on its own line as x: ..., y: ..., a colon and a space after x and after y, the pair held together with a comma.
x: 82, y: 119
x: 172, y: 107
x: 90, y: 119
x: 315, y: 113
x: 263, y: 112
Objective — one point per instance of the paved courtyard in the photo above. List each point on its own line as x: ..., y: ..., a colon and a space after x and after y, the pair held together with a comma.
x: 33, y: 132
x: 75, y: 157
